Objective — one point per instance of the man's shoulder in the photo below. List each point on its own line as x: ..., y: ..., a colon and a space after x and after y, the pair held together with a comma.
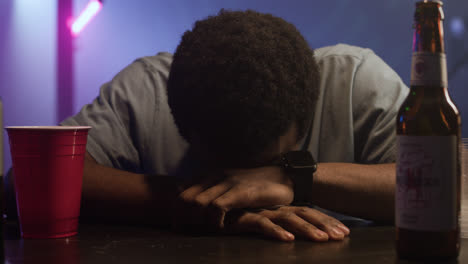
x: 159, y: 62
x: 147, y: 66
x: 342, y: 50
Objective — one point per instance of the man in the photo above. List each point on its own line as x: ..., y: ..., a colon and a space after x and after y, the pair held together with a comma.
x: 199, y: 140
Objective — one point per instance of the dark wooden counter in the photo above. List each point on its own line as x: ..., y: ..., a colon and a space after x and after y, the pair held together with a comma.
x: 124, y: 244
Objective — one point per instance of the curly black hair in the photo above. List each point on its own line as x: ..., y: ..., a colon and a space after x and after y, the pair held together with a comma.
x: 239, y: 80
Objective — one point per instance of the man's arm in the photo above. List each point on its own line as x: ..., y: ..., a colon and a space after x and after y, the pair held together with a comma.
x: 113, y: 195
x: 366, y: 191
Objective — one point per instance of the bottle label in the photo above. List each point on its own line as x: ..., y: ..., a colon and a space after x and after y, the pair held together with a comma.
x: 428, y: 69
x: 426, y: 183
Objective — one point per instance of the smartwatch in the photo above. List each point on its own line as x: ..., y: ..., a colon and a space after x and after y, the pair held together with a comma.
x: 300, y: 166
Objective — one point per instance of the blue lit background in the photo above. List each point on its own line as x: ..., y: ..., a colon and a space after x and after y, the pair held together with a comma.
x: 125, y: 30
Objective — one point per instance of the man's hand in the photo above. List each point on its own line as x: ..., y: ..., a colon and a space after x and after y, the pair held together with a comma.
x: 205, y: 204
x: 286, y: 222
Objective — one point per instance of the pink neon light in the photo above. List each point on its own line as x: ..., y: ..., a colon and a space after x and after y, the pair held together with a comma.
x: 93, y: 7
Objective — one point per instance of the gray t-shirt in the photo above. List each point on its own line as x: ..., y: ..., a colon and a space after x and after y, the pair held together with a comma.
x: 134, y: 130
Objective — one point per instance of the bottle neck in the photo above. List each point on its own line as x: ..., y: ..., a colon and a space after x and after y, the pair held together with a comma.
x: 429, y: 97
x: 424, y: 91
x: 428, y: 28
x: 428, y: 66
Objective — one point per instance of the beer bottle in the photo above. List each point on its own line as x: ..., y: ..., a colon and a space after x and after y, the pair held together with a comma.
x: 428, y: 157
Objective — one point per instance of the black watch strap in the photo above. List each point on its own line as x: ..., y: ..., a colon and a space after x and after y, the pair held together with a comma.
x: 300, y: 166
x: 302, y: 187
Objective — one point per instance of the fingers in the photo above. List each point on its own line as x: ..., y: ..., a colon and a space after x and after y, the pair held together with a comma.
x: 195, y: 209
x: 203, y: 194
x: 190, y: 193
x: 334, y: 228
x: 307, y: 223
x: 214, y: 215
x: 256, y: 223
x: 209, y: 195
x: 300, y: 227
x: 282, y: 223
x: 254, y: 195
x: 250, y: 188
x: 234, y: 198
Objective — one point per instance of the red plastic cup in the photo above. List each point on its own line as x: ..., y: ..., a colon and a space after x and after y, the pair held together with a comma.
x: 48, y: 171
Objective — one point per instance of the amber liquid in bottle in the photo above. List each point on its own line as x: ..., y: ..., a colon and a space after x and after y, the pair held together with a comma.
x: 428, y: 159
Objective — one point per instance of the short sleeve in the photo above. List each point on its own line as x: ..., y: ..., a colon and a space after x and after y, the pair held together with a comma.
x: 123, y: 114
x: 377, y: 95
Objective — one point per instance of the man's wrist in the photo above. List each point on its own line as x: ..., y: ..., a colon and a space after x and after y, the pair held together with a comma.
x: 300, y: 166
x: 302, y: 186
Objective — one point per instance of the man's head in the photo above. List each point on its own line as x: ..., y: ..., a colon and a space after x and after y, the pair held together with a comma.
x: 241, y: 80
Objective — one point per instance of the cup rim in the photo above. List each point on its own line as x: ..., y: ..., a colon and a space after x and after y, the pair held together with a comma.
x: 48, y: 127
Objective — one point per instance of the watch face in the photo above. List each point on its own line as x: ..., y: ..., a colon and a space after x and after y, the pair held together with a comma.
x: 299, y: 160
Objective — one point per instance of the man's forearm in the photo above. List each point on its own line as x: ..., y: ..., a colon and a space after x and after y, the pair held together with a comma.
x: 365, y: 191
x: 112, y: 195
